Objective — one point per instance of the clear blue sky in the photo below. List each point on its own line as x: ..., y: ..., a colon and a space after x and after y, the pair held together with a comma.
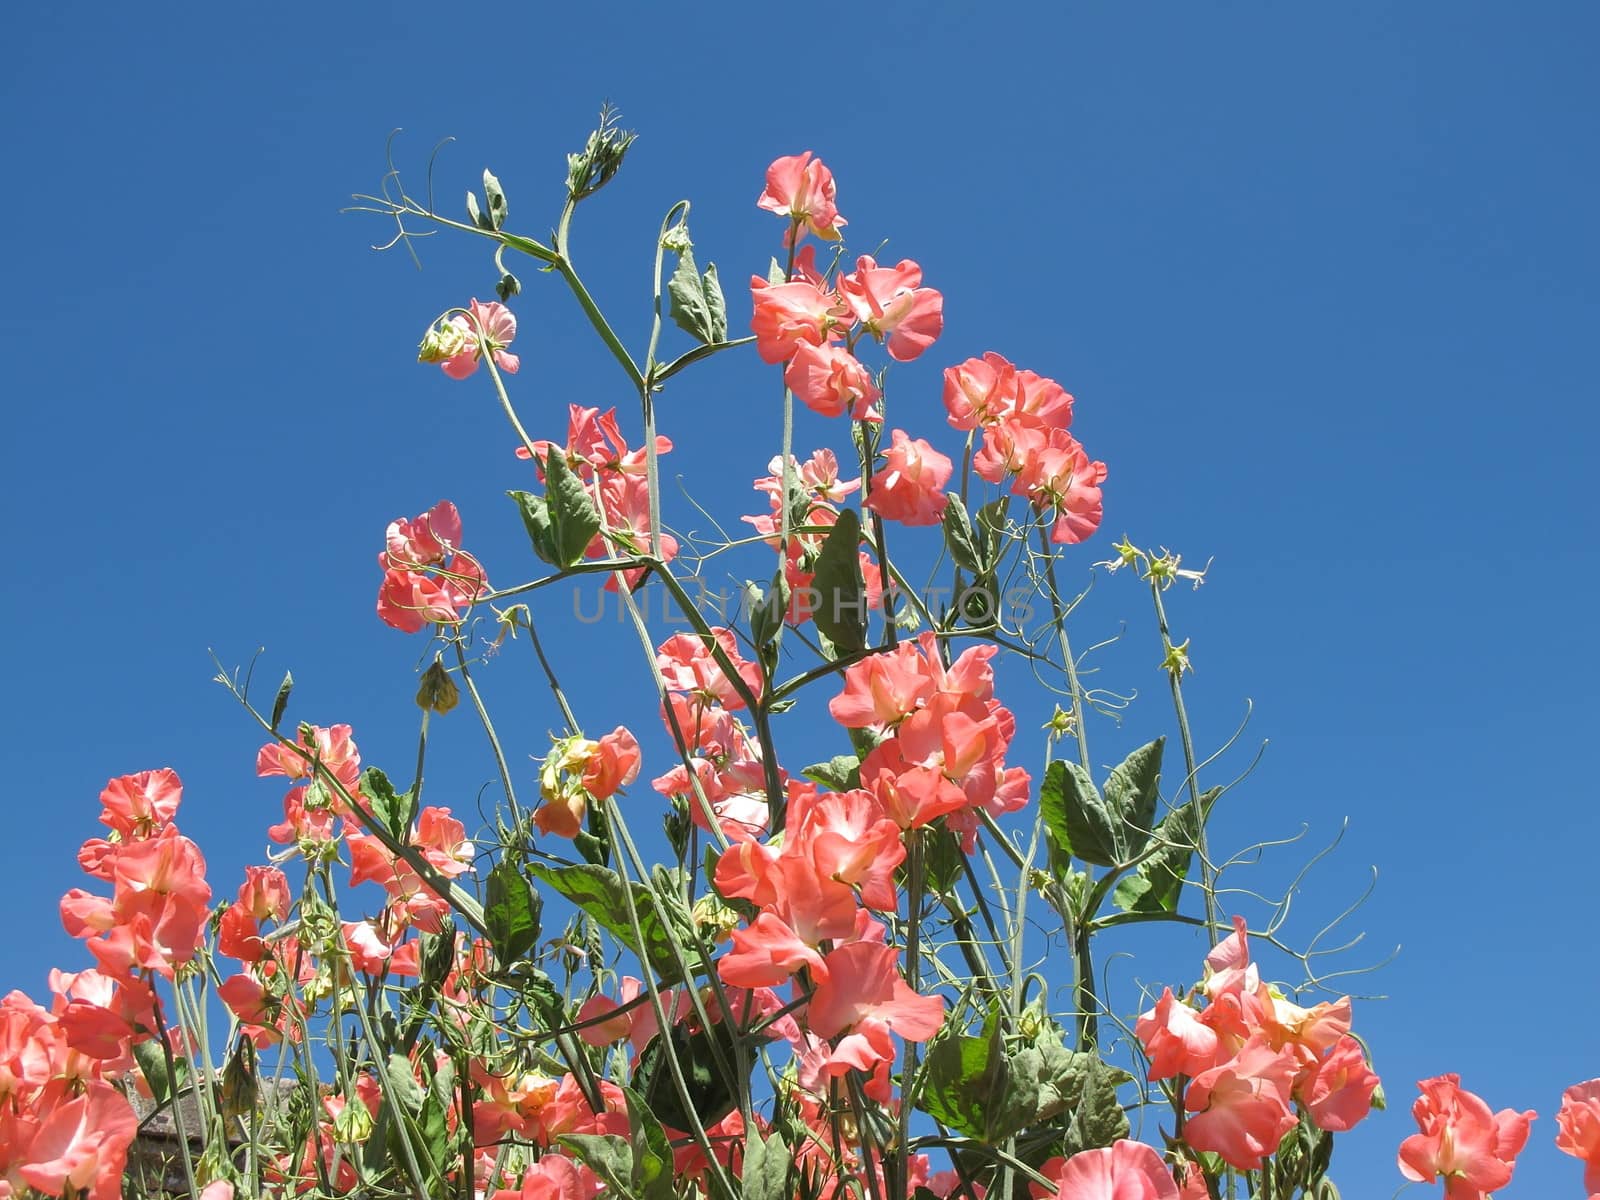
x: 1323, y: 279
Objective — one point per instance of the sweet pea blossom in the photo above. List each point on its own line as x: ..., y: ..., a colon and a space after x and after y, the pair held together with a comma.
x: 1578, y: 1125
x: 893, y: 306
x: 909, y: 488
x: 1461, y: 1140
x: 801, y: 188
x: 786, y: 316
x: 1124, y: 1170
x: 458, y: 344
x: 1243, y: 1107
x: 831, y: 381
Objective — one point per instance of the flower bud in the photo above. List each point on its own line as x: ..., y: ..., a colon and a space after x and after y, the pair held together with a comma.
x: 442, y: 342
x: 438, y: 691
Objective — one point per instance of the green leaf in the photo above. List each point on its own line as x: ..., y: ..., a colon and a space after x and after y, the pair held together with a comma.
x: 573, y: 518
x: 697, y: 304
x: 598, y: 891
x: 391, y: 807
x: 768, y: 609
x: 841, y: 773
x: 1079, y: 821
x: 434, y: 1139
x: 960, y: 538
x: 608, y: 1155
x: 152, y: 1061
x: 536, y: 519
x: 1157, y: 883
x: 841, y: 594
x: 474, y: 211
x: 776, y: 274
x: 767, y: 1162
x: 991, y: 527
x: 991, y: 1086
x: 652, y: 1175
x: 281, y: 701
x: 709, y: 1092
x: 1132, y: 791
x: 511, y: 911
x: 1096, y: 1116
x: 942, y: 859
x: 401, y: 1086
x: 964, y: 1082
x: 497, y: 202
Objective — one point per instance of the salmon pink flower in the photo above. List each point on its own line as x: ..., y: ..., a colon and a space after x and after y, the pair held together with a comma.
x: 864, y: 997
x: 141, y: 805
x: 802, y: 188
x: 1243, y: 1107
x: 1176, y: 1038
x: 427, y: 539
x: 1578, y: 1125
x: 979, y: 391
x: 909, y: 487
x: 556, y: 1177
x: 893, y: 306
x: 612, y: 764
x: 881, y: 691
x: 1338, y: 1094
x: 490, y: 326
x: 1473, y: 1149
x: 1124, y: 1170
x: 687, y: 664
x: 831, y: 381
x: 786, y: 316
x: 82, y: 1144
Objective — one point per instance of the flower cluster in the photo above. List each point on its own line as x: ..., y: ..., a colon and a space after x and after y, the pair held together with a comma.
x: 941, y: 736
x: 64, y: 1124
x: 577, y: 773
x: 1251, y: 1056
x: 815, y: 494
x: 728, y: 775
x: 1024, y: 418
x: 811, y: 320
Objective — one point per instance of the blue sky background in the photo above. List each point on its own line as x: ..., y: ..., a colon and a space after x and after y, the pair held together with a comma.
x: 1321, y: 277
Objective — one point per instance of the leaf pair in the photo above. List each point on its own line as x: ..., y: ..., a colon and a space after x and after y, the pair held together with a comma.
x: 1109, y: 829
x: 564, y: 521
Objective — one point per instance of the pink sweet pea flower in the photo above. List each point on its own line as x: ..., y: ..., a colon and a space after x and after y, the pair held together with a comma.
x: 865, y: 994
x: 1124, y: 1170
x: 141, y: 805
x: 1176, y: 1039
x: 1578, y: 1125
x: 426, y: 539
x: 831, y: 381
x: 801, y: 188
x: 1339, y: 1092
x: 786, y: 316
x: 81, y: 1144
x: 1243, y: 1107
x: 497, y: 325
x: 909, y: 486
x: 893, y: 306
x: 1474, y: 1149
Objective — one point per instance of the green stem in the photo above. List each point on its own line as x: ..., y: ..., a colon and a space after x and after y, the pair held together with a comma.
x: 488, y: 728
x: 1080, y: 709
x: 1208, y: 875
